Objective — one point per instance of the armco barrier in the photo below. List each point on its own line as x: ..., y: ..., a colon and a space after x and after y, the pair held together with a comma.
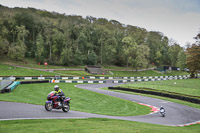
x: 174, y: 96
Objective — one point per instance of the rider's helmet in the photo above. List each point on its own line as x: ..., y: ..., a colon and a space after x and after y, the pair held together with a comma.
x: 161, y: 107
x: 56, y: 87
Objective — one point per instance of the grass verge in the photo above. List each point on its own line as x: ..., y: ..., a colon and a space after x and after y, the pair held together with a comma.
x: 7, y: 70
x: 190, y: 84
x: 73, y: 73
x: 163, y: 98
x: 82, y: 100
x: 186, y: 86
x: 96, y: 125
x: 146, y: 73
x: 32, y: 63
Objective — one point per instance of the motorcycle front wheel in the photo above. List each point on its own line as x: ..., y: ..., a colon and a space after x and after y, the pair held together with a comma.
x: 65, y: 107
x: 48, y: 106
x: 162, y: 114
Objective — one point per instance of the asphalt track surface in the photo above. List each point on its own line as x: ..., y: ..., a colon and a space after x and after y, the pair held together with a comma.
x: 176, y: 114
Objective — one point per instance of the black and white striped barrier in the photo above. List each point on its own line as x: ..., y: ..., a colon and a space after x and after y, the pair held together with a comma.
x: 10, y: 78
x: 143, y: 80
x: 155, y: 77
x: 92, y: 77
x: 26, y: 78
x: 77, y: 81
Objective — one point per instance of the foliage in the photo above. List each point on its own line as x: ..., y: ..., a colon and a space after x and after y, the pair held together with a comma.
x: 18, y: 49
x: 129, y: 48
x: 39, y: 48
x: 193, y: 59
x: 72, y: 40
x: 181, y: 62
x: 158, y: 45
x: 91, y: 59
x: 142, y: 55
x: 173, y: 53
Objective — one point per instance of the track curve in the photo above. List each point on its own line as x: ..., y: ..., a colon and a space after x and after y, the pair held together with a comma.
x: 176, y: 114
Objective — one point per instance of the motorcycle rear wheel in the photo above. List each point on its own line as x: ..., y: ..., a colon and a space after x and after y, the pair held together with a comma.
x: 48, y: 106
x: 65, y: 107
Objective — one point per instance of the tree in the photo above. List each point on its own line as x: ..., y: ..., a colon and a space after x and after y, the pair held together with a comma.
x: 39, y: 48
x: 110, y: 50
x: 57, y: 43
x: 193, y: 57
x: 48, y: 40
x: 66, y: 37
x: 66, y: 56
x: 129, y: 47
x: 102, y: 40
x: 12, y: 27
x: 154, y: 43
x: 142, y: 54
x: 79, y: 58
x: 4, y: 44
x: 17, y: 51
x: 91, y: 59
x: 181, y: 62
x: 173, y: 53
x: 138, y: 34
x: 164, y: 52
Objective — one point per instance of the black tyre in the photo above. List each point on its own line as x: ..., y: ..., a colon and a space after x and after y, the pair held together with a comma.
x: 65, y: 107
x: 48, y: 106
x: 163, y: 115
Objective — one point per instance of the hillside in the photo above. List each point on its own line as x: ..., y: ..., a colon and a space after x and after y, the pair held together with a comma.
x: 73, y: 40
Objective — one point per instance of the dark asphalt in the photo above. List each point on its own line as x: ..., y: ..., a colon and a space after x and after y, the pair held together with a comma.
x: 176, y: 114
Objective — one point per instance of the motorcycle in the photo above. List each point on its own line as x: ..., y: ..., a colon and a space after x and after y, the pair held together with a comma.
x: 53, y: 103
x: 162, y: 112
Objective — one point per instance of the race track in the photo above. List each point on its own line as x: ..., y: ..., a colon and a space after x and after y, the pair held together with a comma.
x: 176, y: 114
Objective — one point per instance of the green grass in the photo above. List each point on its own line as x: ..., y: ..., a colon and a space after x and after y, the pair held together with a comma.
x: 82, y: 100
x: 188, y: 87
x: 73, y: 73
x: 159, y: 97
x: 124, y: 73
x: 92, y: 125
x: 146, y: 73
x: 111, y: 67
x: 32, y: 63
x: 7, y: 70
x: 192, y: 84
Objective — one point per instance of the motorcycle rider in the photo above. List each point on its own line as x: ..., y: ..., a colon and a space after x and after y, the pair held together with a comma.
x: 59, y: 92
x: 162, y: 111
x: 162, y: 108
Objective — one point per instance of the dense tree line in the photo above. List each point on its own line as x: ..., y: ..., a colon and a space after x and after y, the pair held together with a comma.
x: 73, y: 40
